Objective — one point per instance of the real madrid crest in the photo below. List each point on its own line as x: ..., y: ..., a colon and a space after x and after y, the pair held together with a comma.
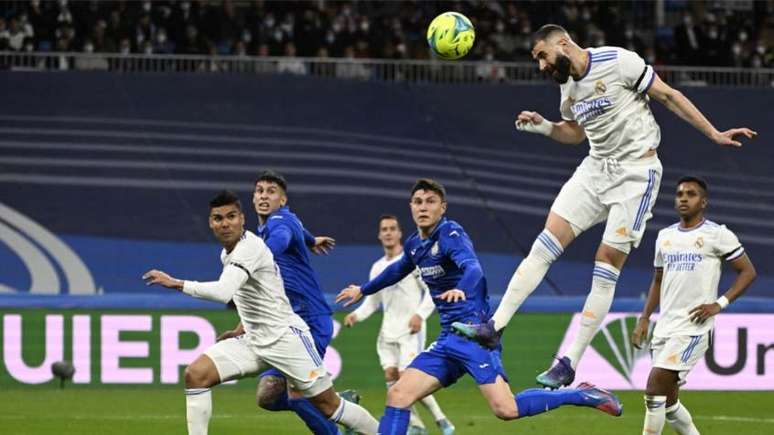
x: 699, y: 242
x: 434, y: 249
x: 599, y: 87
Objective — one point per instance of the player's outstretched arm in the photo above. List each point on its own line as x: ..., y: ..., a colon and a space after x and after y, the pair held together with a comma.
x: 640, y: 333
x: 567, y: 132
x: 163, y: 279
x: 678, y: 103
x: 745, y: 275
x: 349, y: 295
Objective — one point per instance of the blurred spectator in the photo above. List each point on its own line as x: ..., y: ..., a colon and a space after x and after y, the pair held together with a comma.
x: 710, y: 33
x: 90, y: 63
x: 289, y: 63
x: 349, y: 69
x: 489, y: 70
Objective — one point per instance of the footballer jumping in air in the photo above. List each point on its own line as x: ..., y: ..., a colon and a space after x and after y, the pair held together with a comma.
x: 605, y: 95
x: 688, y: 259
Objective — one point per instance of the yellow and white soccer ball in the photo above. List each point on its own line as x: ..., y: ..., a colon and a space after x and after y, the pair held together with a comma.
x: 451, y: 35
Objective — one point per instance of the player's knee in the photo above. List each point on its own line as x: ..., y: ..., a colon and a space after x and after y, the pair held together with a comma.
x: 270, y: 388
x: 399, y: 396
x: 505, y: 411
x: 196, y: 376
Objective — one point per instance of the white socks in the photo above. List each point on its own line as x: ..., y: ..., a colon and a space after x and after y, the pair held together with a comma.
x: 596, y: 308
x: 430, y: 403
x: 545, y: 250
x: 654, y: 415
x: 414, y: 419
x: 198, y: 410
x: 355, y: 417
x: 680, y: 419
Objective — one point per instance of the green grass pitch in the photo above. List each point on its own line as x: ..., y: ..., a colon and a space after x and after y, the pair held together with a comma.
x: 531, y: 340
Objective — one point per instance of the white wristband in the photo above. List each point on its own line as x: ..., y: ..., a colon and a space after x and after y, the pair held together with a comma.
x: 545, y: 128
x: 723, y: 302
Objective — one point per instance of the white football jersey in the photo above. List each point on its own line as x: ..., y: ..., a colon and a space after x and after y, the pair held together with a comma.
x: 609, y: 101
x: 399, y: 302
x: 252, y: 280
x: 691, y: 263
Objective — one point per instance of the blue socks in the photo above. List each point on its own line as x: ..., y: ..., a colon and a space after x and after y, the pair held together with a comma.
x: 537, y: 400
x: 311, y: 416
x: 395, y: 421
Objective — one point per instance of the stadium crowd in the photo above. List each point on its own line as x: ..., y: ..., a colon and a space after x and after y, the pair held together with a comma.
x: 697, y: 33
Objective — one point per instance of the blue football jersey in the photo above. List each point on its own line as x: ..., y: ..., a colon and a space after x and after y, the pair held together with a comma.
x: 287, y: 239
x: 446, y: 260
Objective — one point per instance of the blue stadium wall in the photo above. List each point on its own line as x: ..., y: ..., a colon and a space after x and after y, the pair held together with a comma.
x: 119, y: 168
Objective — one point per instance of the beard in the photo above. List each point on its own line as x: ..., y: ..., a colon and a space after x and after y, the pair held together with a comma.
x: 560, y: 71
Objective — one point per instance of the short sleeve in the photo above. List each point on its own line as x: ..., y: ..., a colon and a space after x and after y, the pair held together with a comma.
x: 658, y: 259
x: 635, y: 74
x: 248, y: 255
x: 728, y: 246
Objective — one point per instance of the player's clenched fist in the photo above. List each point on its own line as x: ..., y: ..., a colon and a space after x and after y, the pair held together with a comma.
x: 533, y: 122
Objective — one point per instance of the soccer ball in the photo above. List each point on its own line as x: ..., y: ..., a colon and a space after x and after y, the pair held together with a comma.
x: 451, y: 35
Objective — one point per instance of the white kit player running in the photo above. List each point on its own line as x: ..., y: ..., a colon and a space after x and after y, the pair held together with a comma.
x: 406, y: 306
x: 604, y: 97
x: 274, y: 335
x: 687, y: 262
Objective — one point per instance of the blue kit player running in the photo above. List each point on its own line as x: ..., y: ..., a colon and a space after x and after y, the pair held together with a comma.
x: 444, y: 254
x: 290, y: 242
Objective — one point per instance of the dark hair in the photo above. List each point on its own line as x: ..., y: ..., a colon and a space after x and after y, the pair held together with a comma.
x: 272, y: 177
x: 692, y: 179
x: 546, y: 31
x: 431, y: 185
x: 225, y: 197
x: 388, y: 216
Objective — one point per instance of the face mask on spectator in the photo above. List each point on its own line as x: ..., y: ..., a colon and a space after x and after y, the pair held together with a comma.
x: 62, y: 4
x: 586, y: 15
x: 365, y: 25
x: 146, y: 6
x: 185, y: 6
x: 278, y: 35
x: 330, y: 38
x: 742, y: 36
x: 247, y: 36
x: 88, y: 48
x: 687, y: 20
x: 629, y: 33
x: 500, y: 27
x: 713, y: 34
x: 269, y: 21
x: 28, y: 47
x: 148, y: 49
x: 760, y: 49
x: 161, y: 37
x: 736, y: 49
x: 124, y: 49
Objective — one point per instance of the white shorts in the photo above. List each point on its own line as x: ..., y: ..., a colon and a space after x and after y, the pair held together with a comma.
x: 293, y: 354
x: 678, y: 353
x: 400, y: 353
x: 623, y: 193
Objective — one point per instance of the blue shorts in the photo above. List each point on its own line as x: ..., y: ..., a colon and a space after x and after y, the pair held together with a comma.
x: 321, y: 328
x: 451, y: 356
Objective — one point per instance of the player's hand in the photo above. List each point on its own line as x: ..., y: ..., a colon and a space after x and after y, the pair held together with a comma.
x: 323, y: 245
x: 161, y: 278
x: 533, y: 122
x: 350, y: 294
x: 451, y: 296
x: 350, y: 320
x: 640, y: 333
x: 727, y: 137
x: 701, y: 313
x: 415, y: 322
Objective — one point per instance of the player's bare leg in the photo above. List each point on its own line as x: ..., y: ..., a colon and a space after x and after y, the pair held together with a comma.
x: 200, y: 376
x: 548, y: 246
x: 662, y: 404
